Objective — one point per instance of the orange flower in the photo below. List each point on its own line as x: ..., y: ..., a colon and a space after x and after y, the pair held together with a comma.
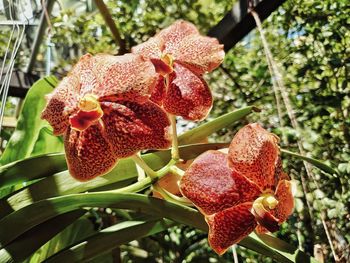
x: 240, y: 190
x: 103, y: 110
x: 181, y: 55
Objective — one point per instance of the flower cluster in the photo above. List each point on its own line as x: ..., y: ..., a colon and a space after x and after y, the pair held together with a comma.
x: 243, y: 190
x: 111, y: 107
x: 181, y: 56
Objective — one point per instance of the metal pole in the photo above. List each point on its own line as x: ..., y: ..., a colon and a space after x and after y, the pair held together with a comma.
x: 39, y: 36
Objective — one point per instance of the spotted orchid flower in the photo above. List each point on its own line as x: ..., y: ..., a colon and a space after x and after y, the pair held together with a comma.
x: 102, y: 109
x: 181, y: 56
x: 242, y: 190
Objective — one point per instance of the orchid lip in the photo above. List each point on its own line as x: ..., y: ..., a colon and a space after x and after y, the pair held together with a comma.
x: 89, y: 113
x: 164, y: 65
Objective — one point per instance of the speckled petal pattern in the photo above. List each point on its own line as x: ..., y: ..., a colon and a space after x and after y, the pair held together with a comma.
x: 150, y: 49
x: 188, y: 95
x: 61, y: 103
x: 158, y: 92
x: 88, y: 153
x: 173, y: 35
x: 254, y: 153
x: 127, y: 77
x: 200, y: 54
x: 131, y: 127
x: 230, y: 226
x: 212, y: 186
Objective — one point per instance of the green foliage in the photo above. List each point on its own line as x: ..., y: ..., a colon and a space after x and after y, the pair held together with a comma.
x: 31, y: 136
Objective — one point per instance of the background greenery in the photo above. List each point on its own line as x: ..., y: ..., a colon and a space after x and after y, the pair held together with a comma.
x: 310, y: 40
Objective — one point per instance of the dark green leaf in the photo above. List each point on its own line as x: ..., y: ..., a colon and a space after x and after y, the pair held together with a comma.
x: 26, y: 244
x: 110, y: 238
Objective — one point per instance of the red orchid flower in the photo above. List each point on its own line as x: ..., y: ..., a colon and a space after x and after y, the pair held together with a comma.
x: 242, y: 190
x: 181, y: 56
x: 103, y: 110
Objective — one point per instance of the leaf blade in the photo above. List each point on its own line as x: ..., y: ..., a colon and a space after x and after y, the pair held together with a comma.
x: 317, y: 163
x: 22, y: 141
x: 201, y: 132
x: 26, y: 244
x: 62, y: 183
x: 144, y: 204
x: 109, y: 238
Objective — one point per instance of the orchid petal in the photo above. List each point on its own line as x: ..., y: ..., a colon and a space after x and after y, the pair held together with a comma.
x: 212, y: 186
x: 61, y: 103
x: 150, y: 49
x: 254, y: 153
x: 284, y: 195
x: 175, y: 33
x: 230, y: 226
x: 188, y: 95
x: 200, y: 54
x: 127, y: 77
x: 88, y: 153
x: 84, y: 70
x: 131, y: 127
x: 159, y: 91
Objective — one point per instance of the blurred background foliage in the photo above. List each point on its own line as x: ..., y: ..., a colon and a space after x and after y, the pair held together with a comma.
x: 309, y: 39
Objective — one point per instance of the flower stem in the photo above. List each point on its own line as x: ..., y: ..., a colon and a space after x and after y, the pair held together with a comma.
x: 171, y: 197
x: 175, y: 145
x: 141, y: 163
x: 176, y: 170
x: 144, y: 183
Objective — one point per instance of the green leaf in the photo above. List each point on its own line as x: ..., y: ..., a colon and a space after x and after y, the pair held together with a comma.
x: 29, y: 125
x: 47, y: 142
x: 28, y: 217
x: 62, y: 183
x: 26, y: 244
x: 201, y: 132
x: 81, y: 229
x: 109, y: 238
x: 317, y: 163
x: 31, y: 168
x: 283, y: 248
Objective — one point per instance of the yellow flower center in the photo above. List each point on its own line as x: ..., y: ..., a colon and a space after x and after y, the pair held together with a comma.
x: 168, y: 59
x: 266, y: 201
x: 89, y: 103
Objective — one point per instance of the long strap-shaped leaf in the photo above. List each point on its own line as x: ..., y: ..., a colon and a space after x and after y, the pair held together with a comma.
x: 201, y: 132
x: 28, y: 217
x: 317, y: 163
x: 110, y: 238
x: 33, y: 239
x: 62, y: 183
x: 23, y: 170
x: 124, y: 232
x: 38, y: 212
